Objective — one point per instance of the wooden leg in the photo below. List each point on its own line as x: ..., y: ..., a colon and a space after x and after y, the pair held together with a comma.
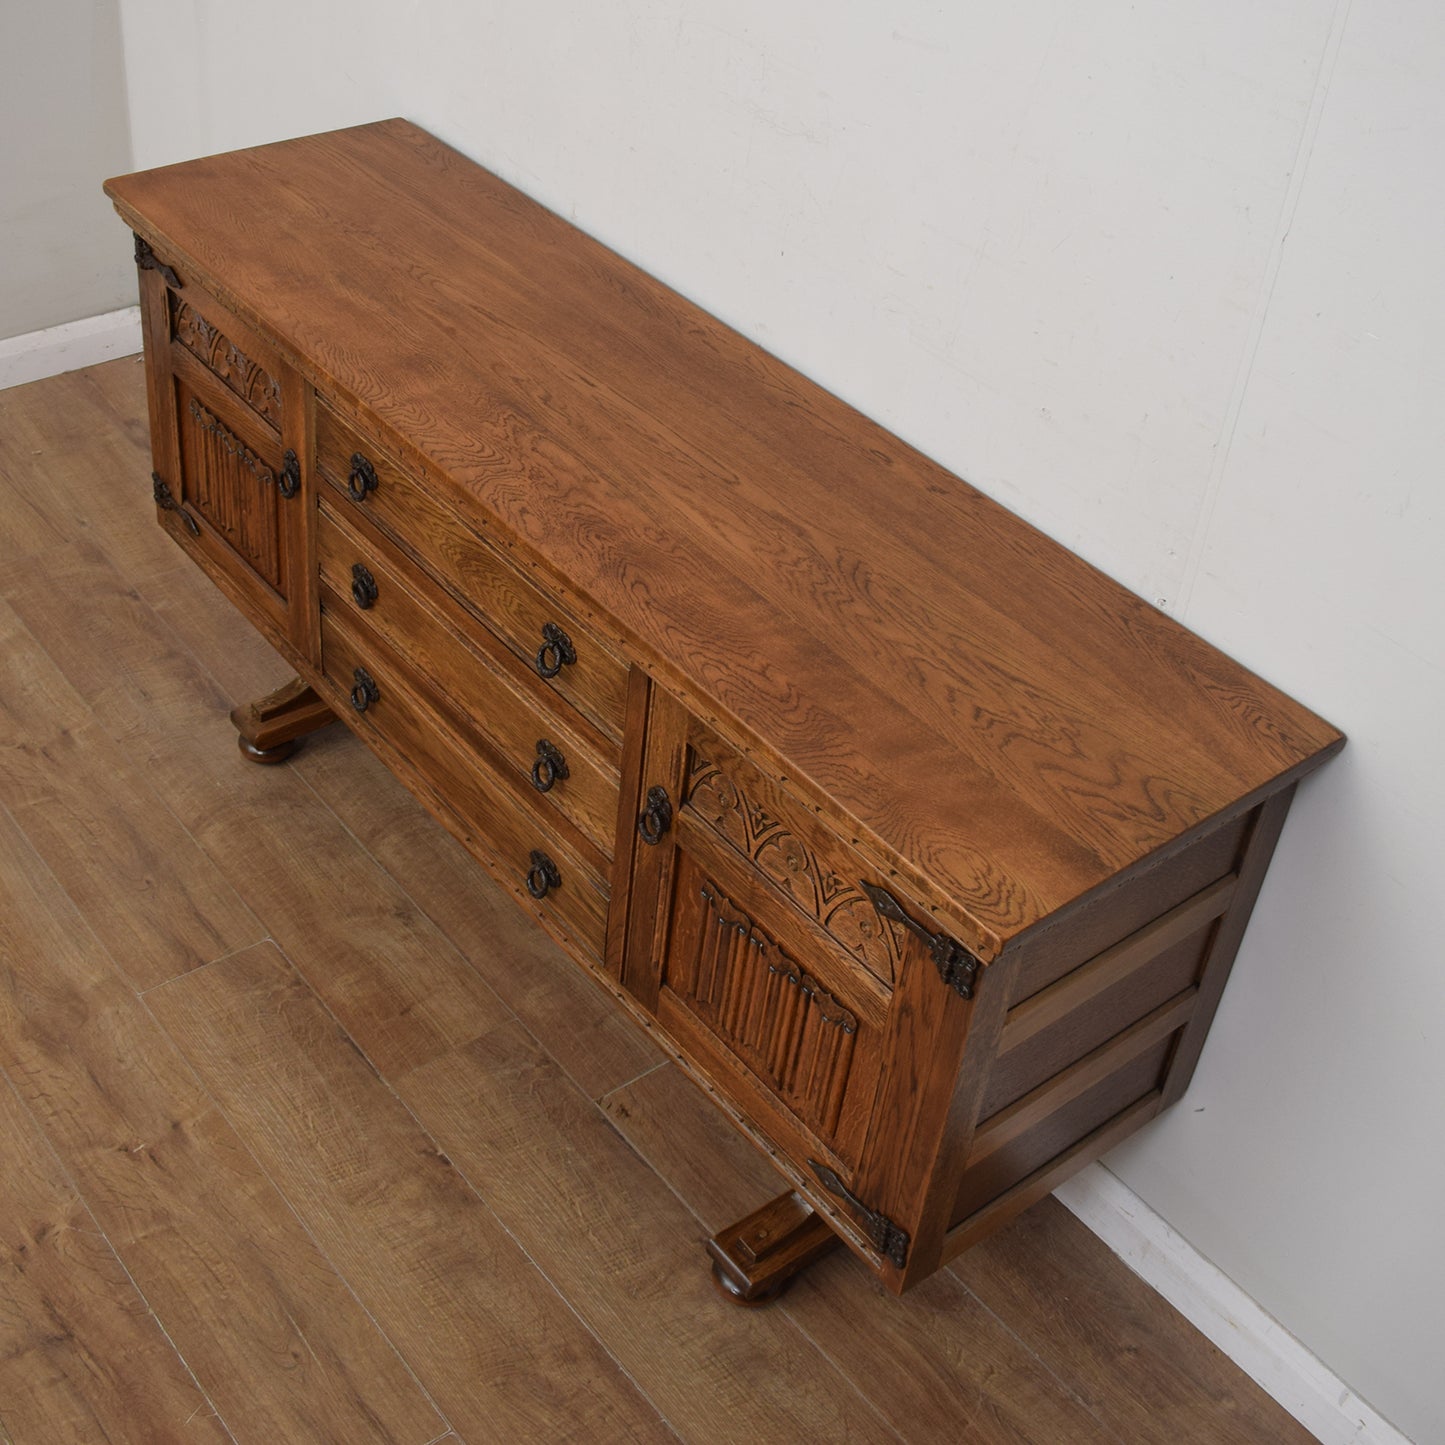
x: 271, y: 728
x: 756, y: 1259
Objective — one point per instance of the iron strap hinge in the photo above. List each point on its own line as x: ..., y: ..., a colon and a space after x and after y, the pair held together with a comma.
x: 147, y: 260
x: 889, y: 1239
x: 957, y: 967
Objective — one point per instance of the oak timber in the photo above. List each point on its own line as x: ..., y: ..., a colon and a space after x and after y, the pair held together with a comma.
x: 690, y: 490
x: 1038, y: 1334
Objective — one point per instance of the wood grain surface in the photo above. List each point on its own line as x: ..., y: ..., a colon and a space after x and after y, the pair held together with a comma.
x: 82, y: 1358
x: 274, y: 1336
x: 428, y: 1259
x: 415, y: 1135
x: 959, y: 688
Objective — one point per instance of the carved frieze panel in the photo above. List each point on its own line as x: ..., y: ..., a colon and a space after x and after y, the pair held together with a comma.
x: 838, y: 903
x: 248, y: 379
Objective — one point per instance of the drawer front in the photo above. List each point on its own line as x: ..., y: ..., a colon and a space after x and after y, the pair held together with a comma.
x: 375, y: 692
x: 548, y: 638
x: 557, y: 763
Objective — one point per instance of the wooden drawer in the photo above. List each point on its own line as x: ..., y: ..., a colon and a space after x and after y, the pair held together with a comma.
x: 549, y: 638
x: 375, y: 692
x: 532, y: 737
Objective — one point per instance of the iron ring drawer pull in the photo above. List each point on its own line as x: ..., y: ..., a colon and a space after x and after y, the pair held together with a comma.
x: 542, y: 876
x: 288, y: 483
x: 556, y: 651
x: 550, y: 766
x: 656, y: 816
x: 363, y: 586
x: 362, y: 478
x: 365, y: 692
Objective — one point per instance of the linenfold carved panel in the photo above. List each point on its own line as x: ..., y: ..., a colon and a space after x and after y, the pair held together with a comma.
x: 839, y: 904
x: 233, y: 489
x: 248, y: 379
x: 775, y: 1016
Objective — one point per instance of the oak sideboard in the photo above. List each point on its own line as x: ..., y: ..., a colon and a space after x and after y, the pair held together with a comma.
x: 921, y: 845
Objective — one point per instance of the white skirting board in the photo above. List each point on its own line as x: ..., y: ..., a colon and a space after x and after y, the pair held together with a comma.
x: 66, y: 348
x: 1223, y: 1313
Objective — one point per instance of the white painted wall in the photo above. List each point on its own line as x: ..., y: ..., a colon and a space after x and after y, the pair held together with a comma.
x: 63, y: 129
x: 1164, y: 278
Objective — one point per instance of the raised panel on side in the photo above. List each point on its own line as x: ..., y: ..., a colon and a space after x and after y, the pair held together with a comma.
x: 1052, y: 1119
x: 1090, y: 1005
x: 1077, y: 934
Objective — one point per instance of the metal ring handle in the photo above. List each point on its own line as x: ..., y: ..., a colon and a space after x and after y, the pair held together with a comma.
x: 364, y: 591
x: 365, y: 692
x: 543, y: 875
x: 556, y: 651
x: 288, y: 483
x: 361, y: 479
x: 550, y: 766
x: 656, y: 817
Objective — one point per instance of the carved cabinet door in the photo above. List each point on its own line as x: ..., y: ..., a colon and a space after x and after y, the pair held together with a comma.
x: 228, y: 430
x: 817, y: 1018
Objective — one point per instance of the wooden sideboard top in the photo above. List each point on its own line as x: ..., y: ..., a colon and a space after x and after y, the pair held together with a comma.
x: 969, y: 693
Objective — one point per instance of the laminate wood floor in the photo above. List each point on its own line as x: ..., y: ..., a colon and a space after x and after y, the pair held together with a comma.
x: 307, y: 1135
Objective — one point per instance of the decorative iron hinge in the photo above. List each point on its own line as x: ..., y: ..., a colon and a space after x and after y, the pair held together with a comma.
x: 165, y: 500
x: 147, y: 260
x: 957, y: 967
x: 889, y: 1239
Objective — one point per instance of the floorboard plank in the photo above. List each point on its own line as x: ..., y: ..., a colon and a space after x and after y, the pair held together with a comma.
x: 568, y: 1012
x: 610, y: 1234
x: 356, y: 936
x: 154, y: 899
x: 1144, y: 1369
x: 270, y: 1330
x: 89, y: 441
x: 499, y: 1350
x: 29, y: 530
x: 124, y: 661
x: 936, y: 1365
x: 82, y: 1359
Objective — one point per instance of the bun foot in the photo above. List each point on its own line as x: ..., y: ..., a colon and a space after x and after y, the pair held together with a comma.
x: 277, y: 754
